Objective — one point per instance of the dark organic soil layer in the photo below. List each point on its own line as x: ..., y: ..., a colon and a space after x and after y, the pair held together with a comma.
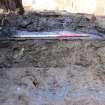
x: 47, y: 21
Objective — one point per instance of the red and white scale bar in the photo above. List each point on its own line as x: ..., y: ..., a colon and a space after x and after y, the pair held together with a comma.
x: 71, y: 35
x: 52, y: 35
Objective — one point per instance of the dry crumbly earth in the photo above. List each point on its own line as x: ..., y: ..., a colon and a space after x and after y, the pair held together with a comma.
x: 45, y: 72
x: 51, y: 72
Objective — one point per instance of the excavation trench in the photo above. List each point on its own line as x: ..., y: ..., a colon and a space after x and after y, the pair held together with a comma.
x: 51, y: 72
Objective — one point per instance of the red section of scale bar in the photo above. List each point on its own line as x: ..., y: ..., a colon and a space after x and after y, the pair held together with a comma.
x: 70, y: 35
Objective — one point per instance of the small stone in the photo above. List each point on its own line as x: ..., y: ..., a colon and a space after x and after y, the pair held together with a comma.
x: 18, y: 54
x: 23, y: 22
x: 0, y: 28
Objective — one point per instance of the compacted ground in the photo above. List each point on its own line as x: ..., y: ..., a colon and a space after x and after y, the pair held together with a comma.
x: 51, y: 72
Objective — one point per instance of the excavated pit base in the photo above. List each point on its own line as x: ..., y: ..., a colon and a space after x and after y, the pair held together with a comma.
x: 51, y: 72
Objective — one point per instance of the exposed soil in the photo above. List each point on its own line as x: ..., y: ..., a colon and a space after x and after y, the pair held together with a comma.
x: 41, y: 72
x: 49, y: 21
x: 51, y: 72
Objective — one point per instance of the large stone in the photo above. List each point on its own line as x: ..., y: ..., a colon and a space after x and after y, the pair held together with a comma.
x: 100, y: 25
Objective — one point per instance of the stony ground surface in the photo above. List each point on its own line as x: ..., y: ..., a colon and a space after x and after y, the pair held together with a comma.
x: 45, y: 72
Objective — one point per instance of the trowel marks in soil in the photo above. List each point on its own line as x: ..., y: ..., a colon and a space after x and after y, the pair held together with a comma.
x: 59, y: 93
x: 51, y: 94
x: 54, y: 86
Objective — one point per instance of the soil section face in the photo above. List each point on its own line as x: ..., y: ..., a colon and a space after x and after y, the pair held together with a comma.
x: 51, y: 72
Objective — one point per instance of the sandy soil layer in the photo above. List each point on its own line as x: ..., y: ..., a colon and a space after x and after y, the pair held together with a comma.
x: 36, y: 72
